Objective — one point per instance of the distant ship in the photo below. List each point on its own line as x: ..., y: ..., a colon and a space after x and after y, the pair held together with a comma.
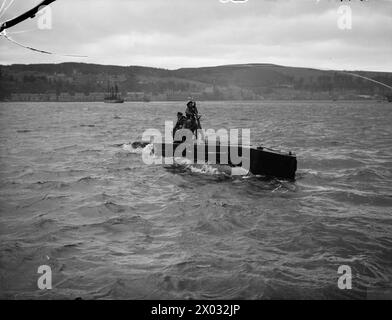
x: 113, y: 96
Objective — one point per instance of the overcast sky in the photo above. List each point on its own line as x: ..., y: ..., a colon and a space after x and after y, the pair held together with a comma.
x: 191, y: 33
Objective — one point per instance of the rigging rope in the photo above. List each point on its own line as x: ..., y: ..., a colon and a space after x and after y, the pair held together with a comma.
x: 358, y: 76
x: 5, y: 10
x: 28, y: 14
x: 38, y: 50
x: 366, y: 78
x: 21, y: 31
x: 2, y: 5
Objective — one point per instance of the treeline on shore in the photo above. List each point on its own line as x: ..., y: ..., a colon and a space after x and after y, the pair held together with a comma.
x: 89, y: 82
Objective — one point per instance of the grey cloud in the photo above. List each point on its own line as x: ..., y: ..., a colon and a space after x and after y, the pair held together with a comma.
x: 180, y: 33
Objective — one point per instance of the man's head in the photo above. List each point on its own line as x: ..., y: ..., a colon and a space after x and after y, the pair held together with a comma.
x: 190, y: 104
x: 179, y: 115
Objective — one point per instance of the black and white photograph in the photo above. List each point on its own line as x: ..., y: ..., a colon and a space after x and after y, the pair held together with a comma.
x: 195, y: 150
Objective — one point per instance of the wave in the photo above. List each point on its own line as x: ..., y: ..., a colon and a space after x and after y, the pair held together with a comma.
x: 54, y: 185
x: 352, y: 175
x: 87, y: 179
x: 370, y: 173
x: 89, y: 151
x: 137, y: 148
x: 356, y: 197
x: 184, y: 163
x: 114, y: 207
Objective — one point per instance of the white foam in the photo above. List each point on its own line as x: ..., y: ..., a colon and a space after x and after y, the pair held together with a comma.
x: 128, y: 147
x: 205, y: 169
x: 139, y: 150
x: 183, y: 161
x: 239, y: 171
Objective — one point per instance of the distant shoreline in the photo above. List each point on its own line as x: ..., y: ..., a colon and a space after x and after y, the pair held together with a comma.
x: 213, y: 101
x: 72, y: 82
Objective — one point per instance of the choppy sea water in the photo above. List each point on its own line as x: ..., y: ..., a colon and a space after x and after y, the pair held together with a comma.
x: 75, y: 196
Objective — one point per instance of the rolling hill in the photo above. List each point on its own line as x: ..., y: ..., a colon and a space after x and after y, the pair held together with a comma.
x: 230, y: 82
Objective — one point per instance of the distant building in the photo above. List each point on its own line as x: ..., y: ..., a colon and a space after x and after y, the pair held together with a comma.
x: 177, y: 96
x: 196, y: 95
x: 33, y: 97
x: 62, y: 97
x: 135, y: 96
x: 209, y: 90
